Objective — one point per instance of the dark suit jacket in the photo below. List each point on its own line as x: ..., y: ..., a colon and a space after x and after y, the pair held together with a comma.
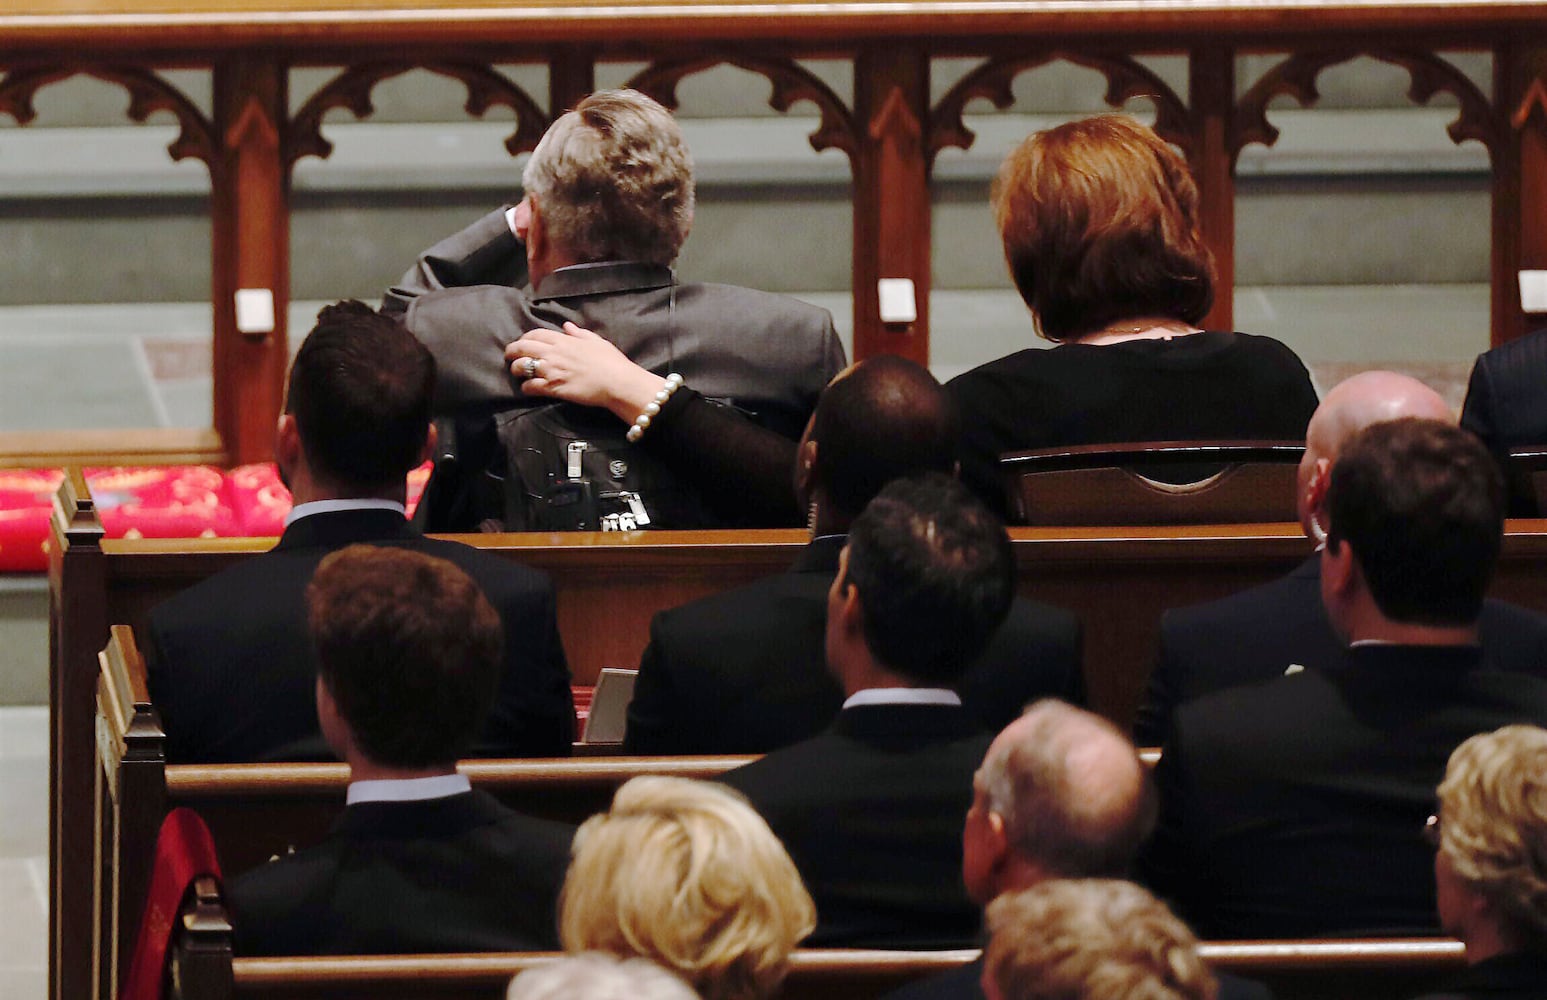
x: 966, y: 983
x: 1517, y: 976
x: 745, y: 671
x: 461, y: 873
x: 871, y: 812
x: 1506, y: 398
x: 1293, y: 808
x: 231, y: 667
x: 1506, y: 405
x: 769, y: 355
x: 1256, y: 635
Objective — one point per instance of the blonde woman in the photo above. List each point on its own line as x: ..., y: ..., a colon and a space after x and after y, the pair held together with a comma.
x: 1490, y: 862
x: 686, y: 874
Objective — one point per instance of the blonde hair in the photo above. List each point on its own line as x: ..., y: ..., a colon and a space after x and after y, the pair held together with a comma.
x: 1100, y: 222
x: 1092, y: 939
x: 593, y: 975
x: 687, y: 874
x: 1493, y: 830
x: 613, y: 180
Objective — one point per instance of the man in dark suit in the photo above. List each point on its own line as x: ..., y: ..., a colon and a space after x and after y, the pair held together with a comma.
x: 743, y: 671
x: 870, y: 810
x: 1506, y: 406
x: 231, y: 669
x: 408, y: 660
x: 1295, y: 807
x: 608, y: 204
x: 1280, y: 627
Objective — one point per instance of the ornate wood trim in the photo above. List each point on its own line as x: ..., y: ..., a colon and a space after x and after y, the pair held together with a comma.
x: 1429, y: 74
x: 148, y: 93
x: 352, y: 89
x: 1126, y: 78
x: 791, y: 81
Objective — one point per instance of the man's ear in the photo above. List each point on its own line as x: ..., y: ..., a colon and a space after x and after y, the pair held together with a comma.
x: 536, y: 229
x: 1316, y: 492
x: 287, y: 442
x: 805, y: 468
x: 844, y: 600
x: 998, y: 840
x: 1339, y: 569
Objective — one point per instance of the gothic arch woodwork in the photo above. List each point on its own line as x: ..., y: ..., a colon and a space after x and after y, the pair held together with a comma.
x: 352, y: 89
x: 1126, y: 78
x: 791, y: 81
x: 148, y: 93
x: 1429, y: 75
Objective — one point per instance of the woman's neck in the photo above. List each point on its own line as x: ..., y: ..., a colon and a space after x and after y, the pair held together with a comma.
x: 1138, y: 328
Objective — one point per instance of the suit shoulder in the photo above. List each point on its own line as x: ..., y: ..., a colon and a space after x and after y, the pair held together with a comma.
x: 727, y: 610
x: 464, y: 295
x: 1029, y: 614
x: 485, y: 566
x: 754, y: 302
x: 212, y: 597
x: 1257, y: 713
x: 1236, y: 609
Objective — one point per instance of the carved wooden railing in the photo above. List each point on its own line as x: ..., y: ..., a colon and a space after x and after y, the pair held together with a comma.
x: 250, y: 142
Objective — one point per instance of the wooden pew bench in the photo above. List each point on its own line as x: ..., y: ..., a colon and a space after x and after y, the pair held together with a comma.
x: 609, y: 586
x: 257, y: 811
x: 204, y: 969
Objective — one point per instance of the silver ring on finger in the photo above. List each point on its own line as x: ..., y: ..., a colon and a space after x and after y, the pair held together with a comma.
x: 529, y: 367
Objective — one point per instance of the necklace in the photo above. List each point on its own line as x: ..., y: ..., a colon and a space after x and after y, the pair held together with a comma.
x: 1144, y: 329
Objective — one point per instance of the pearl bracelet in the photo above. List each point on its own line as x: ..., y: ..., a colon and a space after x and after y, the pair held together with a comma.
x: 642, y: 422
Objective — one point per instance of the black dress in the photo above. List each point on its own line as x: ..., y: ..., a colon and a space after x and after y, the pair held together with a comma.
x: 1197, y: 387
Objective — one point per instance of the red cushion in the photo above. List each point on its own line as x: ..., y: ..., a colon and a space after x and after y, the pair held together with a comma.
x: 176, y: 502
x: 26, y: 505
x: 258, y: 500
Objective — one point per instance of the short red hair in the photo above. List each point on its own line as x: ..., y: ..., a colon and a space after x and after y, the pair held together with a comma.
x: 1099, y: 219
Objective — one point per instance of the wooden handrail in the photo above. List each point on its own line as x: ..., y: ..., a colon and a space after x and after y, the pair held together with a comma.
x: 301, y: 779
x: 154, y: 25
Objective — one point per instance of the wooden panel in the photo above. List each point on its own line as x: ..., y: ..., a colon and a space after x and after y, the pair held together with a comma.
x: 163, y: 446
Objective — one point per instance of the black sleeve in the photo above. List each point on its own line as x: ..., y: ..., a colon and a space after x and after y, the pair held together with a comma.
x: 652, y: 719
x: 1477, y: 412
x: 743, y: 471
x: 1154, y: 720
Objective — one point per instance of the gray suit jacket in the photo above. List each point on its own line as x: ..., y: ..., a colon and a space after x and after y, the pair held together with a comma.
x: 768, y: 355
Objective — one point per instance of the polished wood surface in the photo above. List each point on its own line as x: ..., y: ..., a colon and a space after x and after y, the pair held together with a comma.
x: 1374, y: 969
x: 890, y: 131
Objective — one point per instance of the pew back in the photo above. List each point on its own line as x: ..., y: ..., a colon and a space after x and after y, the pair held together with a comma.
x: 257, y: 811
x: 1161, y: 482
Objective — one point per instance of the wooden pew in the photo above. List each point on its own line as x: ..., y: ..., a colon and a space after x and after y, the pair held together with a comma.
x: 1376, y: 969
x: 609, y: 585
x: 257, y: 811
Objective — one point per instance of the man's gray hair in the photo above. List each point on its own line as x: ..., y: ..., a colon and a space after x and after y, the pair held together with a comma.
x: 595, y: 975
x: 613, y: 180
x: 1072, y: 793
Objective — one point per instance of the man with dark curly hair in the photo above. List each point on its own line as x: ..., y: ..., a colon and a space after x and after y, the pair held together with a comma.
x: 408, y: 660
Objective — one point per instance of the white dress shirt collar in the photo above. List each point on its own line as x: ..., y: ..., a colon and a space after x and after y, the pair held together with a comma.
x: 301, y: 510
x: 903, y: 696
x: 440, y: 786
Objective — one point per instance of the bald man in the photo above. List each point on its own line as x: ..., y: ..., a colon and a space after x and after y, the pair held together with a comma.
x: 1280, y: 627
x: 1061, y: 794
